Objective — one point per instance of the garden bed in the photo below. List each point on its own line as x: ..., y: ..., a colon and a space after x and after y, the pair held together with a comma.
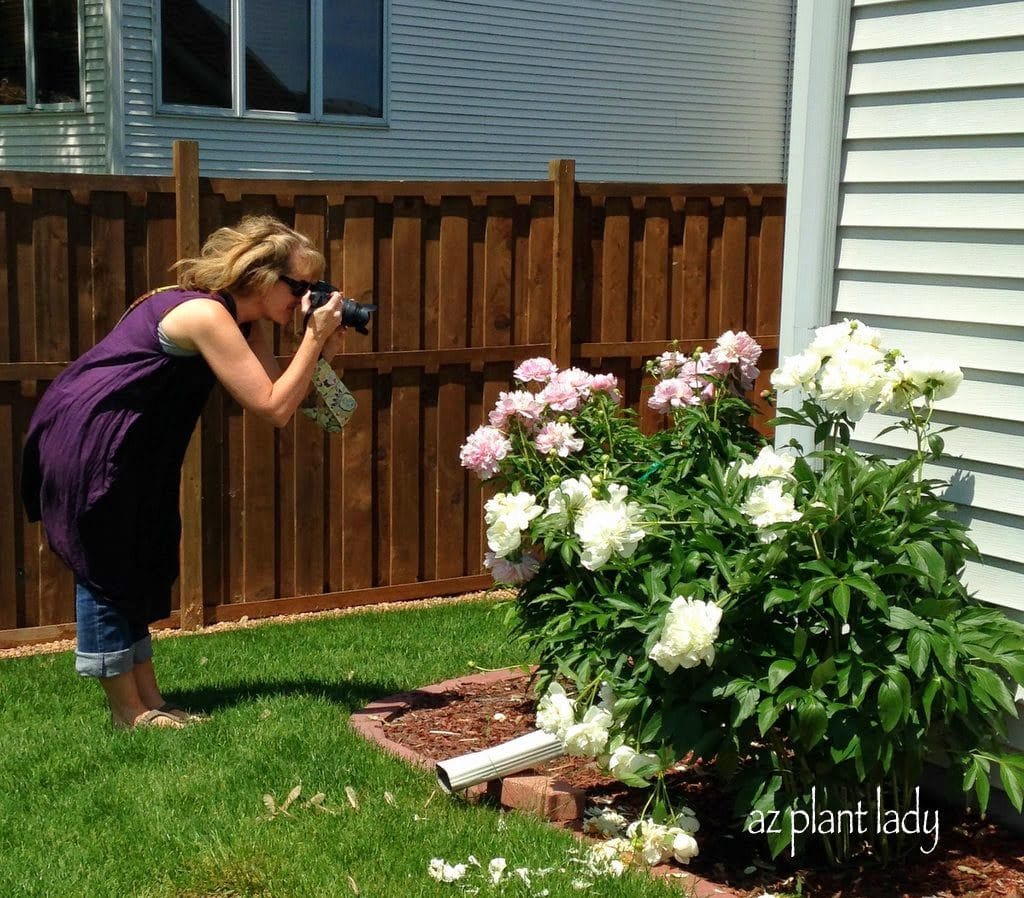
x: 973, y: 859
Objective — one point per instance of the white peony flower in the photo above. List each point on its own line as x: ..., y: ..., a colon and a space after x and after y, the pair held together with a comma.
x: 604, y: 858
x: 587, y: 738
x: 797, y: 372
x: 444, y: 872
x: 496, y: 869
x: 852, y: 380
x: 626, y: 760
x: 609, y: 527
x: 768, y: 464
x: 515, y: 509
x: 768, y: 505
x: 556, y: 712
x: 504, y: 540
x: 683, y: 845
x: 942, y: 379
x: 834, y: 338
x: 507, y: 516
x: 570, y: 497
x: 603, y: 822
x: 688, y: 634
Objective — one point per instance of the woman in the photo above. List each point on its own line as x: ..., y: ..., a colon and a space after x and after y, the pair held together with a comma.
x: 105, y: 446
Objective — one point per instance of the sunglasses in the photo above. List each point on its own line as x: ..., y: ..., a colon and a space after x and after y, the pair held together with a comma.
x: 297, y: 288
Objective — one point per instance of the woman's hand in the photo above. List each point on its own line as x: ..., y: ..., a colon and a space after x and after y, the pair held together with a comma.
x: 325, y: 320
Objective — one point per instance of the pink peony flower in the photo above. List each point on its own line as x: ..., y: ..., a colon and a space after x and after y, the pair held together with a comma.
x: 606, y: 383
x: 739, y: 348
x: 483, y: 451
x: 506, y: 571
x: 675, y: 392
x: 562, y: 396
x: 577, y: 378
x: 540, y: 370
x: 520, y: 404
x: 559, y: 438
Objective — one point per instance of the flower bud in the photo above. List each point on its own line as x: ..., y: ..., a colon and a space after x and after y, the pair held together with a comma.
x: 606, y: 457
x: 563, y: 419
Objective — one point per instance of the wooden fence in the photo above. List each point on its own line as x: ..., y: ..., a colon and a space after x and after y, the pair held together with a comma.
x: 470, y: 278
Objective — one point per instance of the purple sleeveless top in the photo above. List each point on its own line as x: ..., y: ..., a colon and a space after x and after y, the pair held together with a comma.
x: 103, y: 457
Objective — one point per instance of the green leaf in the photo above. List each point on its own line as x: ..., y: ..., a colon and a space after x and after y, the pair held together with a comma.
x: 1013, y: 783
x: 746, y: 704
x: 767, y: 713
x: 823, y: 673
x: 981, y: 787
x: 890, y: 705
x: 799, y: 642
x: 841, y: 600
x: 918, y: 649
x: 990, y: 683
x: 812, y: 721
x: 778, y: 596
x: 870, y: 589
x: 779, y: 671
x: 945, y: 651
x: 923, y: 556
x: 902, y: 619
x: 928, y: 697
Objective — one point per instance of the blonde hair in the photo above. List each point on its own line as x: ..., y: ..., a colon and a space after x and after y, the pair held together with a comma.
x: 249, y: 257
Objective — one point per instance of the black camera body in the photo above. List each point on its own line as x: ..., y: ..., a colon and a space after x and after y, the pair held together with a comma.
x: 353, y: 314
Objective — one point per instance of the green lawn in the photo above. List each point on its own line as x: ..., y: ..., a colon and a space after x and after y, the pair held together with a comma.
x: 87, y: 811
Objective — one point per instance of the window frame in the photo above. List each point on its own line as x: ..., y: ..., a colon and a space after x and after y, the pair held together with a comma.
x: 30, y: 104
x: 238, y: 110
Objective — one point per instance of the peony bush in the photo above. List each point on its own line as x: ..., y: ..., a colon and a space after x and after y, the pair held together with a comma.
x: 796, y: 618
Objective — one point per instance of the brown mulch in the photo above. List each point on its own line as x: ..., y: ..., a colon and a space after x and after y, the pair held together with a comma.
x: 973, y: 859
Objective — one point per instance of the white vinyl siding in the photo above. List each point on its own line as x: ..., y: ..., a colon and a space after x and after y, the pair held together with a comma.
x: 68, y: 141
x: 930, y: 242
x: 664, y: 90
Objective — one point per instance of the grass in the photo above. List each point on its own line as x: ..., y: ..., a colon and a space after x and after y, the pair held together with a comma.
x: 87, y: 811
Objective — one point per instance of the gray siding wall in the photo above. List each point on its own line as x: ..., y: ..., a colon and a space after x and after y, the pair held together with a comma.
x: 65, y: 141
x: 690, y: 90
x: 930, y: 244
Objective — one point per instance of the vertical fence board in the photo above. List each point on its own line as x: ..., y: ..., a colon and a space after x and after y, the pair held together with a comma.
x: 384, y: 393
x: 213, y: 428
x: 303, y: 520
x: 431, y: 386
x: 108, y: 266
x: 734, y: 257
x: 450, y: 493
x: 540, y: 269
x: 357, y: 525
x: 259, y: 477
x: 81, y: 313
x: 406, y: 450
x: 53, y: 343
x: 334, y: 493
x: 695, y: 264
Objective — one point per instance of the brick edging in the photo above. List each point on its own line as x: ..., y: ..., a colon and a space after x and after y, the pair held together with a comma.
x: 371, y: 723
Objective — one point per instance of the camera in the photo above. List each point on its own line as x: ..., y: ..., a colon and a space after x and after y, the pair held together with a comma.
x: 353, y: 314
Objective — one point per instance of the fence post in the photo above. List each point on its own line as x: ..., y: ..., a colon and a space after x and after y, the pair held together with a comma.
x: 563, y: 173
x: 186, y: 197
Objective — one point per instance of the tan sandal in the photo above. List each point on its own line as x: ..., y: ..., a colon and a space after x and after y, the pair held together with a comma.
x: 154, y: 718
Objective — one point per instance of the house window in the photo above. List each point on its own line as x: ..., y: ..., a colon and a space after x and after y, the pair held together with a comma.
x: 308, y: 59
x: 39, y: 65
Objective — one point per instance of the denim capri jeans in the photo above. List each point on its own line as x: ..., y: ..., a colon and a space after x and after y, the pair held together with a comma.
x: 109, y: 643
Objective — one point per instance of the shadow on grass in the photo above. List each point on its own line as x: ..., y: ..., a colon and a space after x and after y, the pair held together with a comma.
x: 350, y: 696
